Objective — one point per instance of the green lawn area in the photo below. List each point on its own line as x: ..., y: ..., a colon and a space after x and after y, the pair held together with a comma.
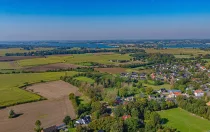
x: 166, y: 86
x: 182, y: 56
x: 11, y: 94
x: 185, y: 121
x: 75, y: 59
x: 85, y: 79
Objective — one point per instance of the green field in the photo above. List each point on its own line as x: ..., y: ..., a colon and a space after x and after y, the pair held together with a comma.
x: 177, y: 51
x: 8, y: 65
x: 75, y: 59
x: 20, y: 50
x: 11, y: 94
x: 182, y: 56
x: 185, y: 121
x: 85, y: 79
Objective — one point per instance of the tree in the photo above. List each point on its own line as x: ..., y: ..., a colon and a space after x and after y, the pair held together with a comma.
x: 132, y: 124
x: 38, y: 127
x: 66, y: 120
x: 149, y: 90
x: 71, y: 96
x: 12, y: 114
x: 134, y: 113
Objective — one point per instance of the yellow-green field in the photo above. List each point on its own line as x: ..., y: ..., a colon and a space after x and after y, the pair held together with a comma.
x: 185, y: 121
x: 177, y: 51
x: 75, y: 59
x: 20, y: 50
x: 8, y: 65
x: 11, y: 94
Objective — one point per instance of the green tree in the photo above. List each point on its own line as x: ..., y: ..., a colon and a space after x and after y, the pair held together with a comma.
x: 132, y: 124
x: 71, y: 96
x: 38, y: 127
x: 66, y: 120
x: 149, y: 90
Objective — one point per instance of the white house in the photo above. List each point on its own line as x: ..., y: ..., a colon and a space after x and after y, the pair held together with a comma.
x: 199, y: 93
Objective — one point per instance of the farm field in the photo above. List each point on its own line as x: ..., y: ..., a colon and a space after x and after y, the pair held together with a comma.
x: 20, y: 50
x: 85, y: 79
x: 111, y: 70
x: 185, y: 121
x: 56, y: 66
x: 49, y: 112
x: 75, y: 59
x: 177, y: 51
x: 182, y: 56
x: 9, y: 65
x: 10, y: 92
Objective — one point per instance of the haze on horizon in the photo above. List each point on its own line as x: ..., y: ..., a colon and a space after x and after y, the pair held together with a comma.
x: 104, y: 19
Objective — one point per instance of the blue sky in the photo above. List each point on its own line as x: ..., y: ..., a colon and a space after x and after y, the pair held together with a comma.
x: 104, y: 19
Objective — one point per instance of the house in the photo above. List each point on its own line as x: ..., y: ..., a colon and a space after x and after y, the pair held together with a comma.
x: 129, y: 98
x: 61, y: 127
x: 208, y: 104
x: 143, y: 76
x: 153, y: 76
x: 134, y: 75
x: 199, y: 93
x: 83, y: 121
x: 174, y: 93
x: 50, y: 129
x: 125, y: 117
x: 203, y: 68
x: 162, y: 90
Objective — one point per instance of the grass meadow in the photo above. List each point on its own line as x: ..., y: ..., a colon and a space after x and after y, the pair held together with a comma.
x: 85, y: 79
x: 75, y: 59
x: 11, y: 93
x: 185, y: 121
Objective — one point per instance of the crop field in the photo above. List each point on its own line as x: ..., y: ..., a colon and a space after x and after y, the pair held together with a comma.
x: 75, y: 59
x: 20, y: 50
x: 182, y: 56
x: 9, y: 65
x: 111, y: 70
x: 185, y: 121
x: 178, y: 51
x: 47, y: 67
x: 85, y: 79
x: 10, y: 92
x: 50, y: 112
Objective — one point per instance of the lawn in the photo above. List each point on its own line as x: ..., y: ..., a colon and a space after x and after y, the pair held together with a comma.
x: 85, y: 79
x: 166, y: 86
x: 75, y: 59
x: 185, y: 121
x: 10, y: 92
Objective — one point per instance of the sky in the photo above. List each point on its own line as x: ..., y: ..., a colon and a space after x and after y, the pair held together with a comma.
x: 104, y: 19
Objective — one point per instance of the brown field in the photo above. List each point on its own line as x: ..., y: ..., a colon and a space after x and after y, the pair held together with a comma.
x: 14, y: 58
x: 111, y: 70
x: 50, y: 67
x: 49, y: 112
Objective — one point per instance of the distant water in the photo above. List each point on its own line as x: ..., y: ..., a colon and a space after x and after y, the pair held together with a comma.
x: 85, y: 45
